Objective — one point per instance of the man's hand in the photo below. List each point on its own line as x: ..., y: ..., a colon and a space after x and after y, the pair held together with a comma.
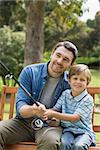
x: 39, y: 110
x: 27, y: 111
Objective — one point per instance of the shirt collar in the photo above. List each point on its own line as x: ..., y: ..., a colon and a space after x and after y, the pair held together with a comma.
x: 79, y: 97
x: 45, y: 70
x: 66, y: 75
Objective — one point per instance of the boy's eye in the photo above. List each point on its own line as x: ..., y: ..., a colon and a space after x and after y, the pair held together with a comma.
x: 82, y: 79
x: 75, y: 78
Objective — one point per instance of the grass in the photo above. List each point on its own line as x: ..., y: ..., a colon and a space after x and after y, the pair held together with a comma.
x: 95, y: 78
x: 97, y: 122
x: 87, y: 60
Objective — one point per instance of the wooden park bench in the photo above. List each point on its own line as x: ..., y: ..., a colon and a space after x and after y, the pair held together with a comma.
x: 31, y: 145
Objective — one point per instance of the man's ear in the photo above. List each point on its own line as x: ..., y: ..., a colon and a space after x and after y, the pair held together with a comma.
x: 51, y: 56
x: 73, y: 63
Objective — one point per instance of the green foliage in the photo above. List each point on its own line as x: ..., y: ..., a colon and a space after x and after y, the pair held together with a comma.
x: 96, y: 51
x: 93, y: 43
x: 95, y: 78
x: 60, y: 17
x: 61, y: 23
x: 6, y: 12
x: 47, y: 56
x: 90, y: 23
x: 12, y: 13
x: 11, y: 50
x: 79, y: 36
x: 86, y: 60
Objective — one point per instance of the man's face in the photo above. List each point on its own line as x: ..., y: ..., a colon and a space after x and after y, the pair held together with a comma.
x: 61, y: 60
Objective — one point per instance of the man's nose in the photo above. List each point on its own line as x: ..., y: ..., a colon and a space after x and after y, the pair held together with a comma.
x: 60, y: 60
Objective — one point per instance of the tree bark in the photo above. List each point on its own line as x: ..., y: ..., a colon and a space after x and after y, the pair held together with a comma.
x: 34, y: 44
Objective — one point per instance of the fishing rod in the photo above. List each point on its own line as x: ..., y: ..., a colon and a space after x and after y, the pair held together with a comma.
x: 37, y: 123
x: 10, y: 75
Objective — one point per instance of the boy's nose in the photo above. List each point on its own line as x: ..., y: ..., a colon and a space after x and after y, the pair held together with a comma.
x: 78, y: 81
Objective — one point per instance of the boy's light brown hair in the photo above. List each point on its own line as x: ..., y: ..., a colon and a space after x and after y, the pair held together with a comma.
x: 78, y: 69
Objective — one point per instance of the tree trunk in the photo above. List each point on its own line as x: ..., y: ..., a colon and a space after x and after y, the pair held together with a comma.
x: 34, y: 31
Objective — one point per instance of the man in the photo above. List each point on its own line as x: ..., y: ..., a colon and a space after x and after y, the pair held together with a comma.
x: 45, y: 82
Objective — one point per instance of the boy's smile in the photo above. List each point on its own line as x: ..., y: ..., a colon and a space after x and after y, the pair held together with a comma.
x: 78, y: 83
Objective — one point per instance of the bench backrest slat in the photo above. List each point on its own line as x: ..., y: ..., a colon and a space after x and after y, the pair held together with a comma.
x: 12, y: 93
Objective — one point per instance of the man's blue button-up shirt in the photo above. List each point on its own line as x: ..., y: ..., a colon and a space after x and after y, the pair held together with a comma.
x: 33, y: 78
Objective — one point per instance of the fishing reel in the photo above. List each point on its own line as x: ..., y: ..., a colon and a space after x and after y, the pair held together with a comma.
x: 37, y: 123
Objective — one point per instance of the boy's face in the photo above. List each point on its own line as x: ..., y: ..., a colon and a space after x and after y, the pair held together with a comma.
x: 78, y: 83
x: 61, y: 60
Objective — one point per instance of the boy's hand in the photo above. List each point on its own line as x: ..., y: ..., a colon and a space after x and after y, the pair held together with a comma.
x: 48, y: 116
x: 53, y: 122
x: 48, y: 113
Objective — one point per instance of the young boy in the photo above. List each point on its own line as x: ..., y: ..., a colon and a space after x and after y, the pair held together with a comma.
x: 74, y: 110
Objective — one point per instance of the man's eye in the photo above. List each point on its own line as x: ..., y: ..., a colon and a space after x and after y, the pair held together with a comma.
x: 58, y: 55
x: 65, y: 59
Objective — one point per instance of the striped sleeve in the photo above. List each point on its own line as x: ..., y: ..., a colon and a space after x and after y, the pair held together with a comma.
x: 85, y: 108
